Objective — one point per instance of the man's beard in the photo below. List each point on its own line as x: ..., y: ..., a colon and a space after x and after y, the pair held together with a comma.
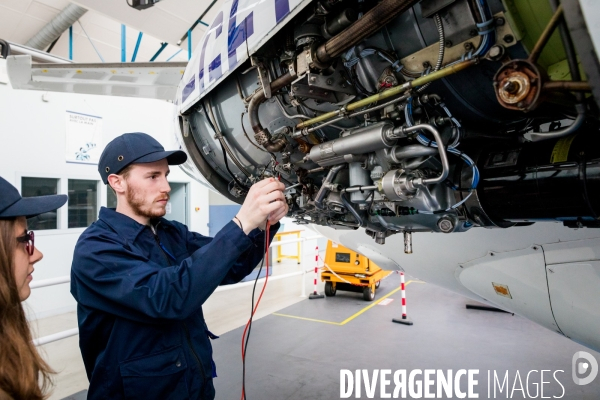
x: 136, y: 202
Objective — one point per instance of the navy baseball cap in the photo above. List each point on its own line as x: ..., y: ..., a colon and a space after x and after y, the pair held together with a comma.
x: 13, y: 205
x: 135, y: 148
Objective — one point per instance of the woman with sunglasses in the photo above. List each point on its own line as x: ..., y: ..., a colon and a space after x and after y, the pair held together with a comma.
x: 23, y: 373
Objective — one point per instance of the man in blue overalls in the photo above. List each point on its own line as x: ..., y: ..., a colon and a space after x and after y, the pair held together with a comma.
x: 140, y: 280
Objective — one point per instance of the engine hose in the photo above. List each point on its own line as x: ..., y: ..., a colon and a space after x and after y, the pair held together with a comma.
x: 444, y: 72
x: 224, y: 144
x: 442, y: 41
x: 366, y: 26
x: 262, y: 135
x: 351, y: 209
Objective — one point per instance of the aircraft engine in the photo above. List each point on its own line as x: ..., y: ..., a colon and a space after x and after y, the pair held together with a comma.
x: 409, y: 116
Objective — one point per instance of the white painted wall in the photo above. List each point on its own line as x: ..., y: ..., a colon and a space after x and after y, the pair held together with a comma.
x: 32, y: 143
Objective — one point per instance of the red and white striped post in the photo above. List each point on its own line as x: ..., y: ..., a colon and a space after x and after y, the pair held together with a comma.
x: 404, y: 319
x: 315, y: 294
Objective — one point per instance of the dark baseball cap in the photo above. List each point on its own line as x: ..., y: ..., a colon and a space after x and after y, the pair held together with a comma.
x: 13, y: 205
x: 136, y: 147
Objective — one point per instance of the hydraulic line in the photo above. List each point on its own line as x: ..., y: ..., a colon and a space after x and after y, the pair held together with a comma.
x: 389, y: 93
x: 221, y: 139
x: 371, y: 22
x: 262, y: 136
x: 442, y: 42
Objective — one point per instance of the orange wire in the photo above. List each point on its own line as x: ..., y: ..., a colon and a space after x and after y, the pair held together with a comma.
x: 259, y: 297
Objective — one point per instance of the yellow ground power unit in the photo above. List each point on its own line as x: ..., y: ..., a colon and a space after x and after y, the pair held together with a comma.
x: 348, y: 270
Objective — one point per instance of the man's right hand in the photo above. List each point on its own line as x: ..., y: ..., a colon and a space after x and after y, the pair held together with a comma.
x: 263, y: 198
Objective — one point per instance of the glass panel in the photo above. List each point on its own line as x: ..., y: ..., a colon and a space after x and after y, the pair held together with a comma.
x: 111, y: 198
x: 31, y: 187
x: 83, y: 203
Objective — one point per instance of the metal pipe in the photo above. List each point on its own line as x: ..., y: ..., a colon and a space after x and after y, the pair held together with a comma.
x: 56, y: 27
x: 358, y: 141
x: 371, y: 22
x: 359, y: 189
x: 323, y: 190
x: 545, y: 36
x: 567, y: 85
x: 36, y: 55
x: 390, y: 92
x: 408, y: 243
x: 262, y: 135
x: 375, y: 108
x: 441, y: 150
x: 399, y: 153
x: 539, y: 136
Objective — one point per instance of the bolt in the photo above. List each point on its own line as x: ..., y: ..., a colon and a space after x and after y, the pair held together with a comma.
x: 329, y: 81
x: 295, y: 87
x: 310, y: 91
x: 473, y: 32
x: 426, y: 64
x: 468, y: 46
x: 343, y: 85
x: 508, y: 38
x: 313, y: 78
x: 495, y: 51
x: 448, y: 43
x: 521, y: 104
x: 500, y: 21
x: 511, y: 87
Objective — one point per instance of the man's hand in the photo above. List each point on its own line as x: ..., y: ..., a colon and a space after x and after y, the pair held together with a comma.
x: 264, y: 198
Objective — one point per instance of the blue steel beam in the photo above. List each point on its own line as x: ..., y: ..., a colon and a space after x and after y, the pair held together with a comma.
x: 137, y: 46
x: 189, y: 44
x: 71, y: 42
x: 162, y: 47
x: 123, y: 43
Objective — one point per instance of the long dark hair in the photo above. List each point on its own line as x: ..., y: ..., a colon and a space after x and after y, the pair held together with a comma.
x: 23, y: 372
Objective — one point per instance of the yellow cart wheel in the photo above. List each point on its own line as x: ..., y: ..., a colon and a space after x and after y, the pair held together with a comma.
x: 329, y: 289
x: 369, y: 293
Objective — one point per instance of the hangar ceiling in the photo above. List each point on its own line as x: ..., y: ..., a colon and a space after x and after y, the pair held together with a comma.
x: 167, y: 22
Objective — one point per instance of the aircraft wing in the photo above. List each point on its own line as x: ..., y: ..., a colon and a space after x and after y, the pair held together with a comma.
x: 153, y: 80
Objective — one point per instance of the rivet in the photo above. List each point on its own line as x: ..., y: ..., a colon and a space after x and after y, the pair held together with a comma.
x: 178, y: 364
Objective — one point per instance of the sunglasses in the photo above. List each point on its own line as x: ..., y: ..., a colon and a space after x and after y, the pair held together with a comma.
x: 28, y: 239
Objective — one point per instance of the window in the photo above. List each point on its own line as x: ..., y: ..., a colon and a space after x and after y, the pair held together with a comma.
x: 83, y: 203
x: 31, y: 187
x: 111, y: 198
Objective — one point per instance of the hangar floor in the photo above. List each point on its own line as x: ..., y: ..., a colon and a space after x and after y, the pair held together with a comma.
x: 298, y: 347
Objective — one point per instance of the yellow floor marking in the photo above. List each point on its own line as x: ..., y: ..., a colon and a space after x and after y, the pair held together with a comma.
x: 351, y: 317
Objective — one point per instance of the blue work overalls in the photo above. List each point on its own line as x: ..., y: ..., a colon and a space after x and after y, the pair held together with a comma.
x: 139, y: 297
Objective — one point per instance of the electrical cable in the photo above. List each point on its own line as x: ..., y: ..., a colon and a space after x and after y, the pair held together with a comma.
x: 223, y: 149
x: 253, y: 308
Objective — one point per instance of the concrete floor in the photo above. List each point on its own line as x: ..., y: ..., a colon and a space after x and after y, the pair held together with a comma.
x: 298, y: 346
x: 298, y: 352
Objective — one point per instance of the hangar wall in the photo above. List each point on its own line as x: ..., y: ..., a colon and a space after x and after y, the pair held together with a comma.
x: 33, y: 145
